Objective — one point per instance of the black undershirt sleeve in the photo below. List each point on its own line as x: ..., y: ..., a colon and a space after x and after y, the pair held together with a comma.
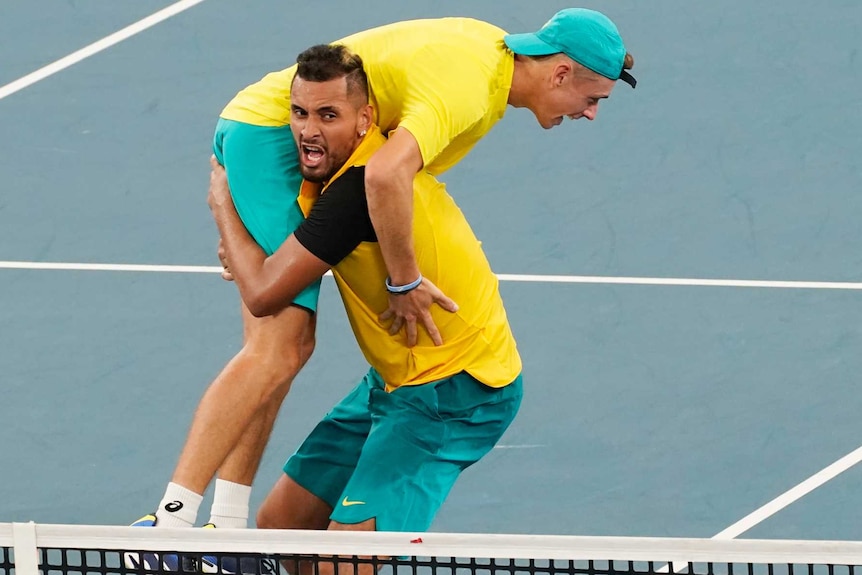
x: 339, y: 220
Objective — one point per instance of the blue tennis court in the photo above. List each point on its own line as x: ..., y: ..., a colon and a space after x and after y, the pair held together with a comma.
x: 651, y: 410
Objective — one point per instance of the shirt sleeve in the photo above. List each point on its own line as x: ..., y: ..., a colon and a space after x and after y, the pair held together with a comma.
x: 339, y: 220
x: 445, y: 96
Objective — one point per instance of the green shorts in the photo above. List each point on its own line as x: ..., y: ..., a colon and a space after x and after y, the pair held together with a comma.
x: 262, y: 167
x: 395, y: 456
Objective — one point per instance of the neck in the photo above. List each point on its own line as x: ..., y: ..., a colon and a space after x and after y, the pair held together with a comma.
x: 523, y: 80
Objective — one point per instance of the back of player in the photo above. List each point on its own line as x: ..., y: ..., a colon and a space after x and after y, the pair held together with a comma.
x: 476, y: 339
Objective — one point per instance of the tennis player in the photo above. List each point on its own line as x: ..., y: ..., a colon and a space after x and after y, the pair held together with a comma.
x: 387, y: 455
x: 436, y: 88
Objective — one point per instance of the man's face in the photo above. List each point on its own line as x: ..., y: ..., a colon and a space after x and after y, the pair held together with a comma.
x: 326, y: 124
x: 573, y: 95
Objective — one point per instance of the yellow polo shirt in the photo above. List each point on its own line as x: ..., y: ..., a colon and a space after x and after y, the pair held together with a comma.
x: 477, y: 338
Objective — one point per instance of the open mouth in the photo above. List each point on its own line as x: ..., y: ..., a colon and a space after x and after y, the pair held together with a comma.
x: 312, y: 155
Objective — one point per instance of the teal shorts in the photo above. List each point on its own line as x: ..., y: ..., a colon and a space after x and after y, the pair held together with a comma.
x: 262, y: 166
x: 395, y: 456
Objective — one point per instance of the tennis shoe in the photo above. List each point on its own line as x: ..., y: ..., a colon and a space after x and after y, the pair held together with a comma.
x: 149, y: 561
x: 256, y: 565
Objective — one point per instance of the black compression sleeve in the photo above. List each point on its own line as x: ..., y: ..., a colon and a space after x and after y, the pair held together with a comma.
x: 339, y: 220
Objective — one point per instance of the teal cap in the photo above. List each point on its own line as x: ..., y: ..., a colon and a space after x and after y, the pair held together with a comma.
x: 586, y: 36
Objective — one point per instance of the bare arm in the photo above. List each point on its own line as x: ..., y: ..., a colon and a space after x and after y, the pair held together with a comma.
x: 389, y: 189
x: 266, y: 284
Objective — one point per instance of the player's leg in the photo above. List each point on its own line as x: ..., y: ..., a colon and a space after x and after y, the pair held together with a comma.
x: 316, y: 474
x: 254, y: 382
x: 291, y: 506
x: 421, y: 439
x: 235, y: 415
x: 262, y: 170
x: 236, y: 474
x: 242, y: 463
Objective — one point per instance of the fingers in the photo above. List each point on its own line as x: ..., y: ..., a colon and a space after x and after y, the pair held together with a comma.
x: 396, y: 325
x: 431, y: 328
x: 408, y: 310
x: 412, y: 334
x: 222, y: 257
x: 440, y: 298
x: 446, y: 303
x: 406, y: 322
x: 217, y: 171
x: 410, y: 325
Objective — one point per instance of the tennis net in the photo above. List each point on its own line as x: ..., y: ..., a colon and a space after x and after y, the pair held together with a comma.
x: 29, y: 549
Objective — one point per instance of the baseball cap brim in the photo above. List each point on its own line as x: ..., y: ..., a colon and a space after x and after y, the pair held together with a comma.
x: 528, y: 44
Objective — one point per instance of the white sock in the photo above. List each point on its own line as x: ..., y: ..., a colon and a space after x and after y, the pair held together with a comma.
x: 230, y: 505
x: 179, y: 507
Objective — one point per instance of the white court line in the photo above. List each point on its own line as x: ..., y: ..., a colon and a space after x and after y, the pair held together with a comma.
x: 21, y: 265
x: 14, y: 265
x: 741, y: 526
x: 784, y: 500
x: 681, y: 282
x: 96, y: 47
x: 826, y: 474
x: 730, y: 532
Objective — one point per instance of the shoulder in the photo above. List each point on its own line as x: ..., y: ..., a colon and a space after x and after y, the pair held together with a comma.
x: 353, y: 179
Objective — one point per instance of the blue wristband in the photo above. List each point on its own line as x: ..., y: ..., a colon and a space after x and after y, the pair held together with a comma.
x: 400, y: 290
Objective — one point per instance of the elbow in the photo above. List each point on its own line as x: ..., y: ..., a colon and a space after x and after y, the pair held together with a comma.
x: 258, y: 308
x: 264, y: 302
x: 394, y: 165
x: 381, y: 175
x: 374, y: 177
x: 259, y: 304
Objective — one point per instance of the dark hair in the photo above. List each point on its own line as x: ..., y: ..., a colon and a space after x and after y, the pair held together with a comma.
x: 326, y: 62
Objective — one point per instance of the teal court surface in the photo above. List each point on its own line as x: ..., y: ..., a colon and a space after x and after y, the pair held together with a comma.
x: 666, y: 395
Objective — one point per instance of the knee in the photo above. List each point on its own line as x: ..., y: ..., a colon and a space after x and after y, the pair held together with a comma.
x: 274, y: 351
x: 269, y: 518
x: 271, y: 370
x: 290, y: 506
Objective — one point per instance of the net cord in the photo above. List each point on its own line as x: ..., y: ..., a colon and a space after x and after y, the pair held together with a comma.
x: 26, y: 537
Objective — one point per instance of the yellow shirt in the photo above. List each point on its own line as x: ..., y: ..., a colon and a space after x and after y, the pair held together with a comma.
x: 477, y: 338
x: 446, y: 81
